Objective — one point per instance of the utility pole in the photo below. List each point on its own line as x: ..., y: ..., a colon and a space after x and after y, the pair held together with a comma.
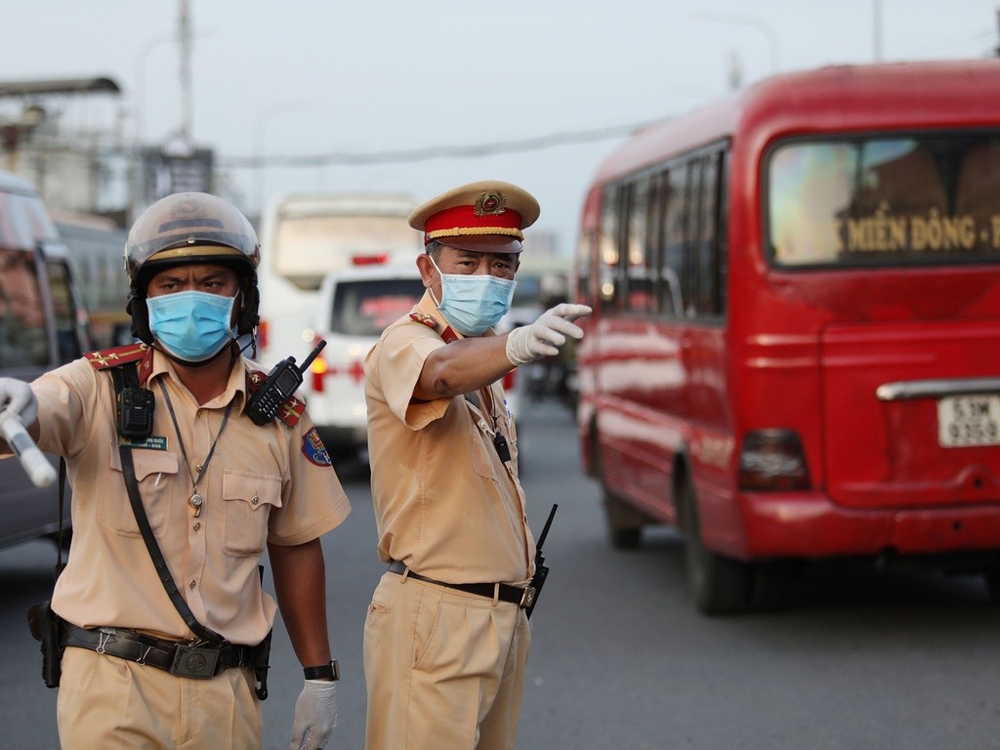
x: 998, y: 29
x: 184, y: 36
x: 877, y: 29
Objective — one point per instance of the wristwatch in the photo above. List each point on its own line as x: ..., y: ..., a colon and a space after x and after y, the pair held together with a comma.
x: 329, y: 671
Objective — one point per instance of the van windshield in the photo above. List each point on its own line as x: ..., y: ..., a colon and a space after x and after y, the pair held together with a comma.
x: 365, y: 308
x: 885, y: 201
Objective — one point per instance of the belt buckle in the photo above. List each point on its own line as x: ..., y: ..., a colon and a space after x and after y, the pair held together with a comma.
x: 528, y: 597
x: 194, y: 661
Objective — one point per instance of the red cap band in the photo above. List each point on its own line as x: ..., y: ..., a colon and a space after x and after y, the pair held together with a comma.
x: 464, y: 217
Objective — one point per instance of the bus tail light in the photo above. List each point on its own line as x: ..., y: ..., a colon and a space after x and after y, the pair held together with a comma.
x: 773, y: 461
x: 318, y: 369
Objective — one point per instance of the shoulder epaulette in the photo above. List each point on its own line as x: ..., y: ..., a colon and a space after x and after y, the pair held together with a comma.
x: 140, y: 353
x: 291, y: 412
x: 427, y: 320
x: 431, y: 322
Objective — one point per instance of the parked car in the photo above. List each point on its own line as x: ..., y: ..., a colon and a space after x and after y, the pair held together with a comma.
x: 42, y: 325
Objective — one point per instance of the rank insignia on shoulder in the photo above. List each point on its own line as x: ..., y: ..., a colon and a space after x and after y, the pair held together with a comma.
x: 120, y: 355
x: 292, y: 411
x: 427, y: 320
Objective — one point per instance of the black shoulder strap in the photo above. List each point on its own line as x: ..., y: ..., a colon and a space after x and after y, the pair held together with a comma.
x: 124, y: 375
x: 62, y: 500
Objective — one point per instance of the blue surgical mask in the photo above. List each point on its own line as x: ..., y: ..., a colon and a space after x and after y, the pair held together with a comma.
x: 191, y: 326
x: 474, y: 303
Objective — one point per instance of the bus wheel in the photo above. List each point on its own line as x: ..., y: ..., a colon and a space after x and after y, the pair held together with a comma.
x: 624, y: 523
x: 771, y: 584
x: 719, y: 585
x: 992, y: 575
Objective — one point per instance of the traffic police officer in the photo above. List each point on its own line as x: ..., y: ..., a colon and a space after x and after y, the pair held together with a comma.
x: 216, y: 488
x: 447, y: 637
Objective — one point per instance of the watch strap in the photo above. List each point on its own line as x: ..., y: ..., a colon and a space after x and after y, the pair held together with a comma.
x: 329, y: 671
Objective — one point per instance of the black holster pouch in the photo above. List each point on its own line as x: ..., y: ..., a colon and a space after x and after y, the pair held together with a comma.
x: 261, y: 657
x: 45, y: 628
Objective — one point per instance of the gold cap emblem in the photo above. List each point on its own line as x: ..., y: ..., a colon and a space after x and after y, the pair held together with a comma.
x: 490, y: 204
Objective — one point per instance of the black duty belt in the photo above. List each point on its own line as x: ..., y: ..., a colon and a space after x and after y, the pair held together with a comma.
x: 200, y: 661
x: 523, y: 597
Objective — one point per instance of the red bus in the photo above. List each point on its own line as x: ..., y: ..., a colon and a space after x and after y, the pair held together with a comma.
x: 795, y: 346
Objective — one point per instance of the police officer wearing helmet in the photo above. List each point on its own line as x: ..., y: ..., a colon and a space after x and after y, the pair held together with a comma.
x: 447, y: 634
x: 217, y: 490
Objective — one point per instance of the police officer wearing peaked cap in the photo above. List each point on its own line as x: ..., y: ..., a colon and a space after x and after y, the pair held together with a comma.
x: 447, y: 636
x: 217, y: 488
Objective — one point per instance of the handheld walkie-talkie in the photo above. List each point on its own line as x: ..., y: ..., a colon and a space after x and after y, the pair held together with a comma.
x: 283, y: 380
x: 541, y: 569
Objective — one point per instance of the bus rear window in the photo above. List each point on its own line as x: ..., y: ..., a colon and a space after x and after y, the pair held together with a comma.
x: 886, y: 201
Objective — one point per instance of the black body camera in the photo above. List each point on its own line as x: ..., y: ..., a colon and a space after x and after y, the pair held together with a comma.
x: 135, y: 413
x: 283, y: 380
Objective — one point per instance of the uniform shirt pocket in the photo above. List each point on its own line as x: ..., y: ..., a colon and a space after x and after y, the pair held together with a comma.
x: 483, y: 451
x: 249, y: 499
x: 155, y: 473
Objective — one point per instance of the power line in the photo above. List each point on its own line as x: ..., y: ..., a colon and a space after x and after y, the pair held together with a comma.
x: 432, y: 152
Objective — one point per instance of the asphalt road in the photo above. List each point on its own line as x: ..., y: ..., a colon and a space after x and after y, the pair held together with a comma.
x: 897, y: 658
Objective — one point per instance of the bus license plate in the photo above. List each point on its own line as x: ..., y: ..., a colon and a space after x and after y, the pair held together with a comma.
x: 968, y: 420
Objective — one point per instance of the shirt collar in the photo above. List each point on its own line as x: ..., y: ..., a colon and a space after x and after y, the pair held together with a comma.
x: 236, y: 384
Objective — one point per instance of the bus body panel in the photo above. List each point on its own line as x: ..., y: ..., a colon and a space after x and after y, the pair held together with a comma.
x: 803, y: 350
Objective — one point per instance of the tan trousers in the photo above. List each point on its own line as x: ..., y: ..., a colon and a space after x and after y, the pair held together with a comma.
x: 113, y: 704
x: 444, y: 669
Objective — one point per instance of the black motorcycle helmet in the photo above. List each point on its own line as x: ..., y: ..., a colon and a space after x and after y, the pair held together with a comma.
x: 188, y: 228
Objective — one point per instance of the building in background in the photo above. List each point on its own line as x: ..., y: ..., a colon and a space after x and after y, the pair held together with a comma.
x: 67, y: 138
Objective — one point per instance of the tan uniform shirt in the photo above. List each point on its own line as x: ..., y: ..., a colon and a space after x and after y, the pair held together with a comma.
x: 445, y: 504
x: 263, y: 484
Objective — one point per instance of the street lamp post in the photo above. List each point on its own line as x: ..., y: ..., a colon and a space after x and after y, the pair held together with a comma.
x: 755, y: 23
x: 140, y: 79
x: 260, y: 124
x: 140, y: 72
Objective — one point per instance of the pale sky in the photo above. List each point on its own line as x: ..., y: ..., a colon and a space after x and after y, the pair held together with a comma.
x: 319, y: 77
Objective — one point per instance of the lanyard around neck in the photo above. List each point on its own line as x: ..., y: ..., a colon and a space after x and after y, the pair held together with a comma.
x: 180, y: 441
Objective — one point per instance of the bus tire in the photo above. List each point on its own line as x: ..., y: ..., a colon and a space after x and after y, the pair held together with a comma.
x: 771, y: 584
x: 992, y: 576
x: 623, y: 521
x: 719, y: 585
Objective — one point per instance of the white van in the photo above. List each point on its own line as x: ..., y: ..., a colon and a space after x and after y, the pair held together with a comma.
x: 355, y: 306
x: 307, y: 236
x: 42, y: 325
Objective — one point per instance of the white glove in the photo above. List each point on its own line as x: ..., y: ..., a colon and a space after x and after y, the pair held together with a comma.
x: 315, y: 715
x: 17, y: 396
x: 544, y: 337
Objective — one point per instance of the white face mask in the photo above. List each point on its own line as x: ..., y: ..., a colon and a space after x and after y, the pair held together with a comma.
x: 474, y: 303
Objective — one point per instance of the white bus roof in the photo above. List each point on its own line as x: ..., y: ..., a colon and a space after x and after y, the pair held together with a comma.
x: 367, y: 204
